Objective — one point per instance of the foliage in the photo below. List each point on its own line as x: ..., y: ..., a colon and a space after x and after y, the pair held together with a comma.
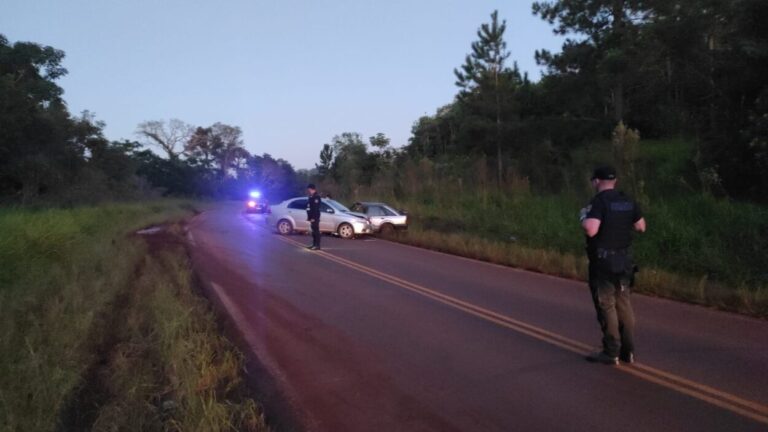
x: 669, y: 67
x: 48, y: 156
x: 663, y: 68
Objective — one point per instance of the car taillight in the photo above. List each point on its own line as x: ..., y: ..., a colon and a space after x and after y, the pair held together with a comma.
x: 251, y: 203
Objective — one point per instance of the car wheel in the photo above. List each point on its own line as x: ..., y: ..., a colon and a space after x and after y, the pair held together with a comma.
x: 387, y: 229
x: 284, y: 227
x: 346, y: 231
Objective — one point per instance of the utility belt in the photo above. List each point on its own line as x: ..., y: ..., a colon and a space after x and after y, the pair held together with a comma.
x: 616, y: 262
x: 605, y: 253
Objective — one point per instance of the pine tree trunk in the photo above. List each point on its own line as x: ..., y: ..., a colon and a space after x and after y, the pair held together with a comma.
x: 618, y: 88
x: 618, y: 102
x: 500, y: 164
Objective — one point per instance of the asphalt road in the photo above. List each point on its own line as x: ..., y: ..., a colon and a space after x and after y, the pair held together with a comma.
x: 370, y: 335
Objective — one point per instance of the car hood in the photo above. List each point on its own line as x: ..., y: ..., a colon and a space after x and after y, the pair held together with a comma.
x: 357, y: 215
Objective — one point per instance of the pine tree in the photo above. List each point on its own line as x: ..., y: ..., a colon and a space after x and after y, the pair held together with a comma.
x: 484, y: 72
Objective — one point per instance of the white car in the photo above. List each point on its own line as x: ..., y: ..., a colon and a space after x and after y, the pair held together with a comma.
x: 291, y: 216
x: 384, y: 218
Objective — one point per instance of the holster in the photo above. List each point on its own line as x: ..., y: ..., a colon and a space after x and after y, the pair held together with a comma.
x: 617, y: 262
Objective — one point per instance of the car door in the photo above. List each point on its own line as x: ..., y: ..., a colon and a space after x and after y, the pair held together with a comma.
x: 297, y: 209
x: 328, y: 218
x: 376, y: 215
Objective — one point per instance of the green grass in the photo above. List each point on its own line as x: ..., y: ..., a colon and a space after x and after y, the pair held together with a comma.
x: 697, y: 248
x: 65, y: 277
x: 651, y: 280
x: 695, y: 236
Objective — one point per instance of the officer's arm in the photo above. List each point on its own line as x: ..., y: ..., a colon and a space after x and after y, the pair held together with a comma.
x: 640, y: 225
x: 591, y: 226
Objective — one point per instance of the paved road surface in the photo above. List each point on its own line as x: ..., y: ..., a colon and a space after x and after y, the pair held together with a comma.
x: 376, y: 336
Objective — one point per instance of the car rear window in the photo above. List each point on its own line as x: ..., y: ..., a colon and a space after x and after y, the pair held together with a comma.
x: 299, y: 204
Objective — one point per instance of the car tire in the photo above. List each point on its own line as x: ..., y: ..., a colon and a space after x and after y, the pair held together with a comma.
x: 346, y: 231
x: 284, y: 227
x: 387, y: 230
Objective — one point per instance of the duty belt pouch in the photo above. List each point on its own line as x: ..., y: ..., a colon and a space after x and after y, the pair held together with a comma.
x: 615, y: 262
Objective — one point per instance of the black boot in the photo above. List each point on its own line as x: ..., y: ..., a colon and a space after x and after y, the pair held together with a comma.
x: 602, y: 357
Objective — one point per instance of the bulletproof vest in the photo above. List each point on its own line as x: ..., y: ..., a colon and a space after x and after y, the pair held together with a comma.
x: 615, y: 231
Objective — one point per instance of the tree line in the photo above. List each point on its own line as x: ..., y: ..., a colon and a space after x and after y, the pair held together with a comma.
x: 658, y: 68
x: 48, y: 155
x: 630, y: 68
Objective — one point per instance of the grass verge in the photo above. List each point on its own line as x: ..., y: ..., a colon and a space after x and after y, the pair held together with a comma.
x: 652, y: 281
x: 698, y: 248
x: 100, y: 330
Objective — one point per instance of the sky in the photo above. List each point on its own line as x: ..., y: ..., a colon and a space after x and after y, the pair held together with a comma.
x: 290, y: 73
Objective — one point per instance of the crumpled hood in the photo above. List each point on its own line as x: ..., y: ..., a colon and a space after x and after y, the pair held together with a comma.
x: 358, y: 215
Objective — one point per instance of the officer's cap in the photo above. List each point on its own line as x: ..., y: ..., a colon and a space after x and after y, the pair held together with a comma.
x: 311, y: 186
x: 605, y: 172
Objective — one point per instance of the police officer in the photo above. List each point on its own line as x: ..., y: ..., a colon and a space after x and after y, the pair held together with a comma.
x: 313, y: 215
x: 608, y: 222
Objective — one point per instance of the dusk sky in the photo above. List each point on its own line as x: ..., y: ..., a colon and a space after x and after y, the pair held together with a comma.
x: 292, y: 74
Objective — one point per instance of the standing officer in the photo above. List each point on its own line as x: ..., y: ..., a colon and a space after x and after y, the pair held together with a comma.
x: 313, y: 215
x: 608, y: 221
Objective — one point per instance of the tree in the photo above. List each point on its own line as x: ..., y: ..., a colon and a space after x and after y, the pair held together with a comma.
x: 36, y: 153
x: 379, y: 141
x: 276, y: 178
x: 383, y: 154
x: 326, y: 160
x: 170, y: 137
x: 200, y: 148
x: 218, y: 147
x: 227, y: 144
x: 485, y: 81
x: 352, y: 165
x: 612, y: 29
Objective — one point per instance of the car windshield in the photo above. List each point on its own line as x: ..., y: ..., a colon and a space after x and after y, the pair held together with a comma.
x: 336, y: 205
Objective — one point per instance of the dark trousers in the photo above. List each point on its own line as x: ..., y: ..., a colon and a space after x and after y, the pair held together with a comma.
x: 315, y: 233
x: 611, y: 293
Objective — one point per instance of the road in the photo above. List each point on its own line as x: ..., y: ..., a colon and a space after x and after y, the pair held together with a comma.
x: 369, y: 335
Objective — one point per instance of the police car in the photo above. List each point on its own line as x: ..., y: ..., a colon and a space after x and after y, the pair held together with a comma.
x: 256, y: 204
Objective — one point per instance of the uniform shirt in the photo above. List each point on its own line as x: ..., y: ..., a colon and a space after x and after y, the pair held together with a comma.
x: 313, y: 207
x: 617, y: 214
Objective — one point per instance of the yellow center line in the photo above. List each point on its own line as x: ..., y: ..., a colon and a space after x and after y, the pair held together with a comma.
x: 719, y: 398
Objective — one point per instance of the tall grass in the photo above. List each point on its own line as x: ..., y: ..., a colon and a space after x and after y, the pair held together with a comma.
x: 696, y: 236
x: 651, y: 280
x: 63, y: 274
x: 171, y: 369
x: 698, y: 247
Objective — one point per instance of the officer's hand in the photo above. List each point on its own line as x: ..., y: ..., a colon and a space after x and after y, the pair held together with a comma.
x: 311, y: 220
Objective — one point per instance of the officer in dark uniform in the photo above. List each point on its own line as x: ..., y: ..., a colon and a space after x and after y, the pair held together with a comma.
x: 313, y: 215
x: 608, y: 221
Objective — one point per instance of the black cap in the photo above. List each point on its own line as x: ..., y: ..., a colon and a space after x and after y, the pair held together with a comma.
x: 606, y: 172
x: 311, y: 186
